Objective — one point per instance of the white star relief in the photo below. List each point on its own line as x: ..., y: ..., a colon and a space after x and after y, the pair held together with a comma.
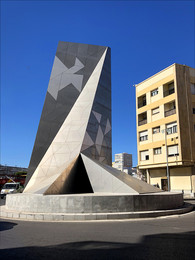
x: 61, y: 77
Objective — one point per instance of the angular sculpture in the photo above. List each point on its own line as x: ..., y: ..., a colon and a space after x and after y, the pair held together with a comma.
x: 76, y: 116
x: 73, y: 142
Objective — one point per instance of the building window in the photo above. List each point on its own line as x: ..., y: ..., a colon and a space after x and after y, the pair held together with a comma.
x: 143, y: 136
x: 157, y: 150
x: 193, y: 88
x: 156, y: 130
x: 154, y: 92
x: 173, y: 150
x: 144, y: 155
x: 171, y: 128
x: 193, y: 110
x: 155, y: 111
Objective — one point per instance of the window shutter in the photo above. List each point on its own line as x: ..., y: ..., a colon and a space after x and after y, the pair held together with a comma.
x: 172, y: 150
x: 171, y: 125
x: 143, y: 133
x: 144, y: 155
x: 155, y: 110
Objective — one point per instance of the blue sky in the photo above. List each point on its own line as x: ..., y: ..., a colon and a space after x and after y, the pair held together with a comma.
x: 144, y: 36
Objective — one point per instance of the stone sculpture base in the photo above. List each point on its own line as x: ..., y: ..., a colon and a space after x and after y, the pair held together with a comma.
x: 93, y: 203
x: 80, y: 207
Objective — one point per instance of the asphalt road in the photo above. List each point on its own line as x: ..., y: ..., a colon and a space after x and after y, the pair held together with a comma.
x: 163, y: 238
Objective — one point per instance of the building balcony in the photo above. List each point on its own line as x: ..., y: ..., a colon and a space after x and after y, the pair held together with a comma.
x: 142, y: 122
x: 170, y: 112
x: 168, y: 92
x: 142, y: 104
x: 142, y: 119
x: 141, y: 101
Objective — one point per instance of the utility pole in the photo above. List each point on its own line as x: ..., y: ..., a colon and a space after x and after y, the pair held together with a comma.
x: 168, y: 178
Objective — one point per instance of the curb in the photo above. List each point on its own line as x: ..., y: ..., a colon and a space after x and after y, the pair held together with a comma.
x: 91, y: 216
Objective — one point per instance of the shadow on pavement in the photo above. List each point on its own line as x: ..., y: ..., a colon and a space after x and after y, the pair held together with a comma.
x: 160, y: 246
x: 4, y: 225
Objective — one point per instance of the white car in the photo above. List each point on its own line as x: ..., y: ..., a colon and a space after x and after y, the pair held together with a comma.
x: 10, y: 187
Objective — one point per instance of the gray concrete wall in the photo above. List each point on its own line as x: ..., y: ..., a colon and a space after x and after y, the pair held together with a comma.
x: 88, y: 203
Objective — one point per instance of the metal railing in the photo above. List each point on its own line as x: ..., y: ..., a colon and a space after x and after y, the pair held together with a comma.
x: 142, y: 122
x: 168, y: 92
x: 170, y: 112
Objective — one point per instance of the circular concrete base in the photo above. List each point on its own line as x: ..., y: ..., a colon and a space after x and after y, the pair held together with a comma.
x: 4, y: 213
x: 93, y: 203
x: 86, y: 207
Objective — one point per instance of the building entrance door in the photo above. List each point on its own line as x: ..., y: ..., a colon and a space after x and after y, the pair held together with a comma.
x: 164, y: 184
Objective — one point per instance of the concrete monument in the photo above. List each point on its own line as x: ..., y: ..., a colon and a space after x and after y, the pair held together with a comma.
x: 70, y: 169
x: 73, y: 143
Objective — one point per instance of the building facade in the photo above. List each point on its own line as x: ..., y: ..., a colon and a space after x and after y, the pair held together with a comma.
x: 123, y: 162
x: 165, y: 105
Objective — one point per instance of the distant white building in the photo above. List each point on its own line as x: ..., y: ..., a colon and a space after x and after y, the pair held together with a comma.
x: 123, y: 162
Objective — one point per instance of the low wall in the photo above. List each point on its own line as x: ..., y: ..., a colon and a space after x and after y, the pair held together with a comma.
x: 93, y: 203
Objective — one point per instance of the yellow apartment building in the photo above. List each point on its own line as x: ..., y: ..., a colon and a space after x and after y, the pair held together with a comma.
x: 165, y: 108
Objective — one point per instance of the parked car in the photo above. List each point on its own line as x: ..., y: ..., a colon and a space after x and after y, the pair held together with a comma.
x: 11, y: 187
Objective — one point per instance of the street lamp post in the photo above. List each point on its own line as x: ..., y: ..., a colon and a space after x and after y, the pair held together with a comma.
x: 168, y: 179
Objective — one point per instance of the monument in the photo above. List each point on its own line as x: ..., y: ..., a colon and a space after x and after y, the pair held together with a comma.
x: 70, y: 168
x: 73, y: 146
x: 76, y: 119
